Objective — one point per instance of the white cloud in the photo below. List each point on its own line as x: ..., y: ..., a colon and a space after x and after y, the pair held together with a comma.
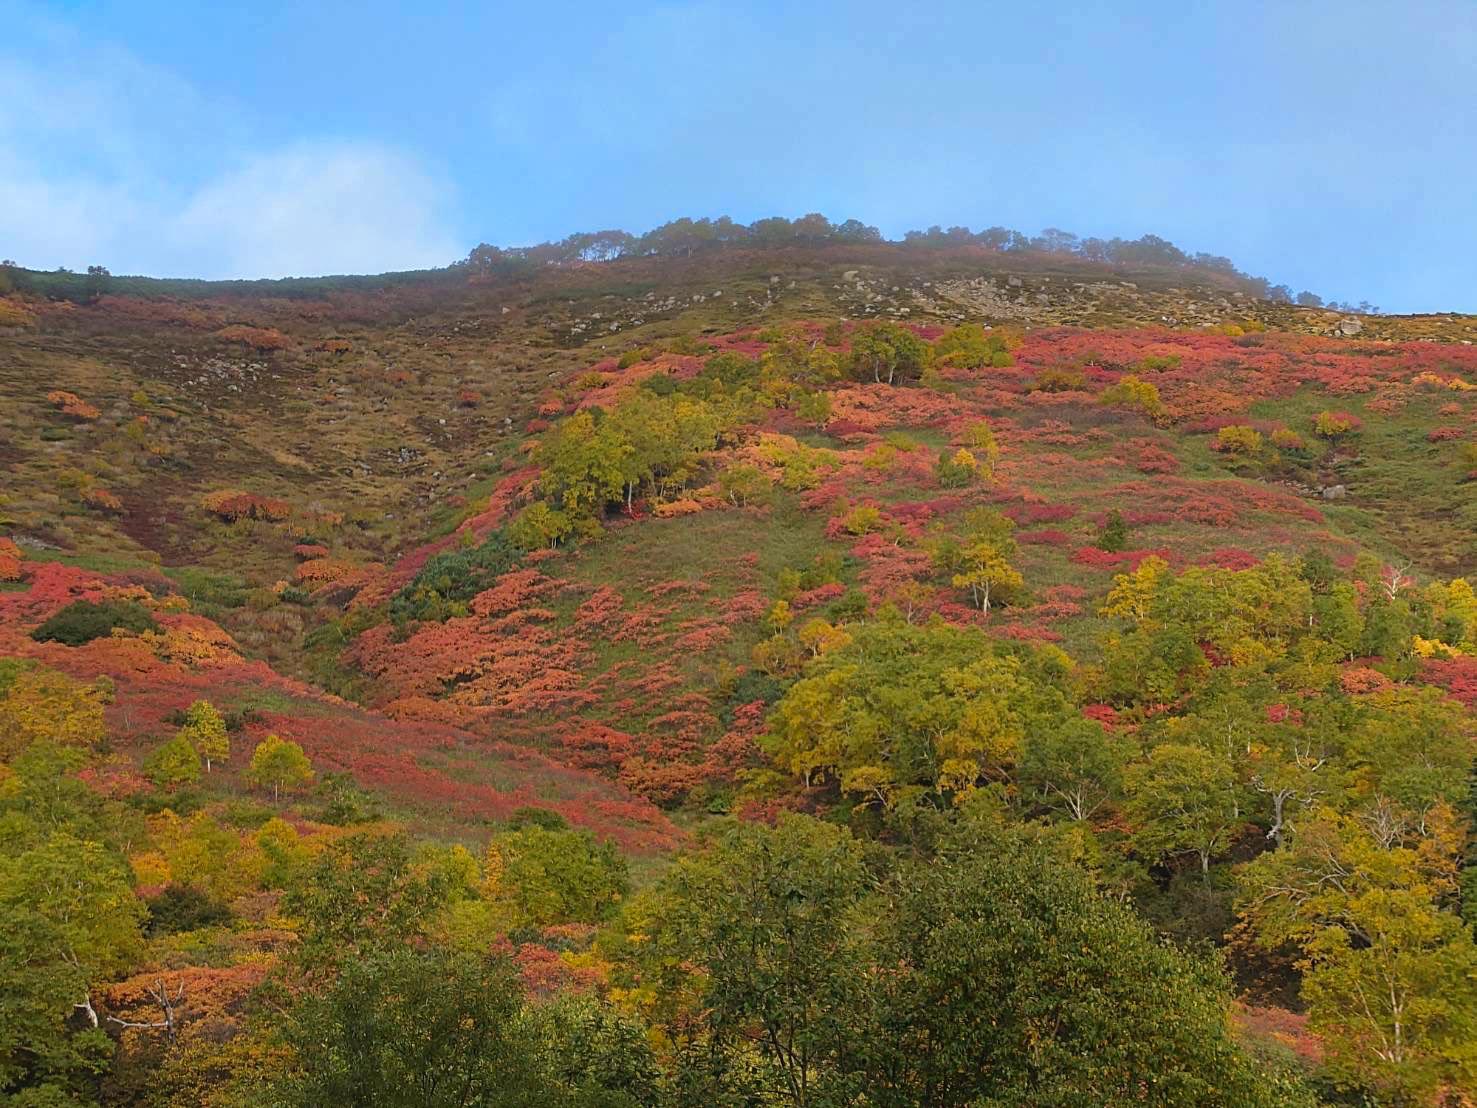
x: 310, y: 209
x: 109, y: 160
x: 315, y: 209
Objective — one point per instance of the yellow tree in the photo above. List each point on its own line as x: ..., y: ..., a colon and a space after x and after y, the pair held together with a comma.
x: 205, y: 730
x: 44, y: 704
x: 279, y: 764
x: 980, y: 560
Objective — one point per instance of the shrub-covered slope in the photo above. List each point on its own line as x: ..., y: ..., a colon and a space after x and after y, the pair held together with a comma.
x: 541, y: 574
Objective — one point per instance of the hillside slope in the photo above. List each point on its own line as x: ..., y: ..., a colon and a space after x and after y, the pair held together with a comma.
x: 855, y: 531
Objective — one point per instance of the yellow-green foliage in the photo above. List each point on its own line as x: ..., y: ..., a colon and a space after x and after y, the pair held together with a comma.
x: 1239, y: 439
x: 1136, y: 394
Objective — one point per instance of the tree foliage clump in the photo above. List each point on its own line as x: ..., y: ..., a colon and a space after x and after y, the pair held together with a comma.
x: 994, y: 974
x: 280, y: 765
x: 648, y: 443
x: 970, y: 346
x: 903, y: 712
x: 1134, y: 393
x: 888, y: 353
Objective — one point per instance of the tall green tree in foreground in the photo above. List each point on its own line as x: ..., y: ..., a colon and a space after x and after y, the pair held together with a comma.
x: 407, y: 1028
x: 989, y: 974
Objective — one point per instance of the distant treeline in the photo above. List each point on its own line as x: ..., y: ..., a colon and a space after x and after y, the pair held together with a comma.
x: 66, y: 284
x: 679, y: 238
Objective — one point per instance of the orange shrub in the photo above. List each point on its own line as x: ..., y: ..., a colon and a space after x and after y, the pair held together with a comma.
x: 13, y: 314
x: 258, y: 338
x: 10, y: 560
x: 231, y: 505
x: 69, y: 403
x: 102, y: 498
x: 676, y: 508
x: 322, y: 571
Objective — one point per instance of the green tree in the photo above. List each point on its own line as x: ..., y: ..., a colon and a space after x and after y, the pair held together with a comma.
x: 956, y: 468
x: 68, y: 920
x: 990, y: 973
x: 584, y: 464
x: 539, y: 526
x: 546, y: 876
x: 980, y: 561
x: 888, y: 352
x: 409, y: 1028
x: 1390, y: 977
x: 174, y: 763
x: 905, y: 710
x: 1394, y: 995
x: 360, y: 894
x: 759, y: 927
x: 969, y: 346
x: 1075, y: 768
x: 1010, y: 980
x: 979, y: 439
x: 1184, y: 800
x: 42, y: 704
x: 279, y: 764
x: 1114, y: 535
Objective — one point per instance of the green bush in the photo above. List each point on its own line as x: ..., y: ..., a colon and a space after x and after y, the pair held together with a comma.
x: 449, y: 579
x: 184, y: 908
x: 1114, y: 535
x: 347, y: 803
x: 82, y: 621
x: 531, y: 816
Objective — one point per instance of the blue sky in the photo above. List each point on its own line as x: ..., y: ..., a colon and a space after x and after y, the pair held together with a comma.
x: 1331, y: 146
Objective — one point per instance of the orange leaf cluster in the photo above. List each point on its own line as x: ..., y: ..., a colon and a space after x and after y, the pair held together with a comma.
x: 70, y: 404
x: 232, y: 505
x: 258, y: 338
x: 102, y: 498
x: 10, y: 560
x: 323, y: 571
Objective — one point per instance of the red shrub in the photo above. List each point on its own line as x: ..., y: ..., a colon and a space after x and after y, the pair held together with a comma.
x: 1104, y: 559
x: 1458, y: 676
x: 591, y: 745
x: 1022, y: 514
x: 1154, y: 459
x: 821, y: 594
x: 1044, y: 538
x: 1230, y: 557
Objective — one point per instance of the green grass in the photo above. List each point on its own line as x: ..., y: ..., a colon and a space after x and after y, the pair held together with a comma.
x: 1405, y: 496
x: 208, y: 590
